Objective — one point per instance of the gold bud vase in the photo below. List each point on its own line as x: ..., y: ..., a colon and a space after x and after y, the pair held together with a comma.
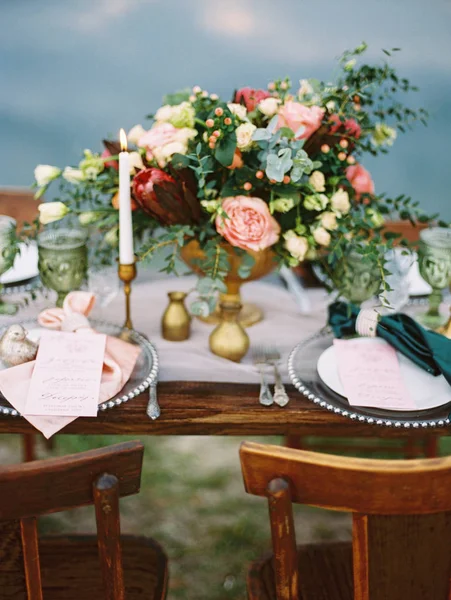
x: 229, y: 340
x: 176, y: 321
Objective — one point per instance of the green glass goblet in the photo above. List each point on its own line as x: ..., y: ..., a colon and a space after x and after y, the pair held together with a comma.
x: 63, y: 260
x: 434, y: 257
x: 357, y: 277
x: 8, y: 251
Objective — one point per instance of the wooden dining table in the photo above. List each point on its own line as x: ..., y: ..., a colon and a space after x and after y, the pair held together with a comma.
x: 215, y: 408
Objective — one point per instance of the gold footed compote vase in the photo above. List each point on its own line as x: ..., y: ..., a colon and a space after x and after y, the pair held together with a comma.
x: 193, y: 256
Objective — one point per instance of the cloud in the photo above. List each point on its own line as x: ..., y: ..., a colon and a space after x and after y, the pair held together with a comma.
x: 96, y: 16
x: 231, y: 19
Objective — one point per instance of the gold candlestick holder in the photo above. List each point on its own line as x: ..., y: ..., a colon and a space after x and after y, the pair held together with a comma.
x: 445, y: 329
x: 127, y: 273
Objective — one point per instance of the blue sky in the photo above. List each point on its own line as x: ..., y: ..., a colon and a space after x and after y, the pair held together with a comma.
x: 72, y: 72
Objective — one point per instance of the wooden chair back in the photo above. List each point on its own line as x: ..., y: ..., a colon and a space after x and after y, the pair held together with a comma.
x: 29, y: 490
x: 401, y: 517
x: 19, y: 204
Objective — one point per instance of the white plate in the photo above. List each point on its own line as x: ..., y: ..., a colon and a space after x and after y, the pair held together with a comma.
x: 25, y: 265
x: 425, y: 390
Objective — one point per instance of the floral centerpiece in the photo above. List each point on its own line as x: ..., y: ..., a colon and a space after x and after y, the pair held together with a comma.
x: 278, y: 170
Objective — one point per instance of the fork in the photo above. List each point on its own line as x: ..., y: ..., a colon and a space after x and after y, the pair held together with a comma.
x: 153, y: 408
x: 272, y: 355
x: 260, y: 361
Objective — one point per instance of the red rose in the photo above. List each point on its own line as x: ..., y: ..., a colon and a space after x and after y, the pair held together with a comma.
x: 349, y: 127
x: 250, y: 97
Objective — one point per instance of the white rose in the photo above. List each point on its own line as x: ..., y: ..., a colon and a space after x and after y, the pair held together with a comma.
x: 136, y: 162
x: 317, y: 181
x: 135, y: 134
x: 52, y: 211
x: 238, y: 110
x: 184, y: 135
x: 330, y: 105
x: 305, y: 88
x: 340, y: 202
x: 269, y: 106
x: 316, y: 202
x: 163, y: 154
x: 164, y: 113
x: 321, y: 236
x: 329, y: 221
x: 73, y: 175
x: 111, y: 237
x: 244, y: 135
x: 88, y: 217
x: 44, y: 174
x: 296, y: 245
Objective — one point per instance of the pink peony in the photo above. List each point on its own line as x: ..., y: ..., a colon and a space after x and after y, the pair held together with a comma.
x: 159, y: 135
x: 249, y: 224
x: 110, y: 163
x: 360, y: 180
x: 350, y: 127
x: 250, y: 97
x: 295, y: 115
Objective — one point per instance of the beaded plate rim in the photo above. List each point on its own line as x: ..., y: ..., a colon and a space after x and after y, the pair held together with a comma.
x: 353, y: 413
x: 119, y: 399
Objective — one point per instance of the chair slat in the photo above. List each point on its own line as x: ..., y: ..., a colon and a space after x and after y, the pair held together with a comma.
x: 31, y: 561
x: 284, y: 540
x: 351, y: 484
x: 66, y: 482
x: 106, y: 500
x: 400, y: 557
x: 12, y: 574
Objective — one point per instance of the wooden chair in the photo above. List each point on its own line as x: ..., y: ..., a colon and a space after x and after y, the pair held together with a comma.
x: 401, y: 542
x: 68, y: 567
x: 20, y: 204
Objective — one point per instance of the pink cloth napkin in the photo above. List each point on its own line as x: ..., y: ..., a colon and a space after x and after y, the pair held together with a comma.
x: 119, y: 361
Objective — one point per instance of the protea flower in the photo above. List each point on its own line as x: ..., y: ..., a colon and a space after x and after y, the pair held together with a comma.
x: 168, y: 201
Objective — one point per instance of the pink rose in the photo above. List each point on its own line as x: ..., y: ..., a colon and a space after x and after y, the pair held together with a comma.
x: 249, y: 224
x: 349, y: 126
x: 360, y: 180
x: 250, y: 97
x: 110, y: 163
x: 159, y: 135
x: 295, y: 115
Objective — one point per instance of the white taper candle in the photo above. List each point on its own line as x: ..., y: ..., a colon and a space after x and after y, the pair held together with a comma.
x: 126, y: 255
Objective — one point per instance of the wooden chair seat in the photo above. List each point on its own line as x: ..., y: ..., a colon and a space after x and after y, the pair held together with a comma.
x: 325, y: 571
x: 70, y: 568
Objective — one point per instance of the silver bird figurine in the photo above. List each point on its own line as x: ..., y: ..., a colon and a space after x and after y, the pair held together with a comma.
x: 15, y: 348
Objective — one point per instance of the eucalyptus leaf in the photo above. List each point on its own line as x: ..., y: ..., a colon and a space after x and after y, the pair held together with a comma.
x: 200, y: 308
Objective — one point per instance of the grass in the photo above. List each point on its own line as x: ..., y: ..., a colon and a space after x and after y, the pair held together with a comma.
x: 193, y: 502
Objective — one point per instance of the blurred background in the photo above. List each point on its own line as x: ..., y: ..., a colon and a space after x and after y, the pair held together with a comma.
x: 73, y: 72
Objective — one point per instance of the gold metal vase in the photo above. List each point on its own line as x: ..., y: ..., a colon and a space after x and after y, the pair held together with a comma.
x: 176, y: 321
x: 228, y: 339
x: 265, y: 262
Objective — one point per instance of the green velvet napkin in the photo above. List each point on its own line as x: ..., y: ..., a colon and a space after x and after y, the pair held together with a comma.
x: 427, y: 349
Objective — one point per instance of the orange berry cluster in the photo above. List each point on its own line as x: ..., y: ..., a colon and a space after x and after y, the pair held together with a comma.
x: 343, y: 143
x: 210, y: 123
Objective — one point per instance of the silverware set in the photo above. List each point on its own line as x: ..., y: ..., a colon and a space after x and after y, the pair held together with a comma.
x: 264, y: 357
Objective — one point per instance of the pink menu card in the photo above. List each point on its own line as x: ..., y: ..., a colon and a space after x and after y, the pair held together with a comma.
x: 66, y: 375
x: 370, y: 374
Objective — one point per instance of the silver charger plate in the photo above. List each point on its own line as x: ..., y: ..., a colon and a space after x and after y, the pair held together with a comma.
x: 143, y: 376
x: 22, y: 287
x: 304, y: 376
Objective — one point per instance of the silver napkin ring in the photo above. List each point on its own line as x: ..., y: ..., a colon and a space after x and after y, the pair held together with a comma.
x: 366, y: 322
